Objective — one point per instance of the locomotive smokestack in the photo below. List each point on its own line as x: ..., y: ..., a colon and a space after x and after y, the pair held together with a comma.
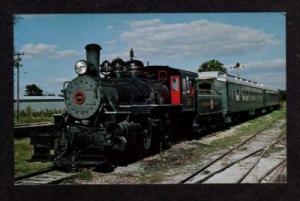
x: 93, y: 57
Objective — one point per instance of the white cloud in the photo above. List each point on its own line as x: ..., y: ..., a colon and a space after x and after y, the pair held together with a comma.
x: 134, y: 24
x: 271, y: 73
x: 66, y: 53
x: 57, y: 80
x: 46, y: 51
x: 110, y: 27
x: 275, y: 80
x: 263, y: 66
x: 196, y: 39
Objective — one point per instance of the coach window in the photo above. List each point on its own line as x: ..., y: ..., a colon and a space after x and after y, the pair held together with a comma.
x: 260, y: 96
x: 188, y: 85
x: 184, y: 86
x: 204, y: 87
x: 237, y: 95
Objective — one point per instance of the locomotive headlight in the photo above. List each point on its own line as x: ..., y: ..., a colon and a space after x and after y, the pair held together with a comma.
x: 80, y: 67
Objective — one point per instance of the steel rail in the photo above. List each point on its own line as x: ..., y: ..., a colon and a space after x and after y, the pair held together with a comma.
x: 257, y: 161
x: 236, y: 161
x: 34, y: 174
x: 50, y: 177
x: 220, y: 157
x: 269, y: 172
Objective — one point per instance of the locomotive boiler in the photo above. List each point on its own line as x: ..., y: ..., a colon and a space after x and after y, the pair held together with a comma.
x: 111, y: 109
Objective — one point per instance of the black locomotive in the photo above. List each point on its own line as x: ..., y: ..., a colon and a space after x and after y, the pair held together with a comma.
x: 128, y: 108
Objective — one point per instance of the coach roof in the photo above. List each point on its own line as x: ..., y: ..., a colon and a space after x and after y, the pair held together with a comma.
x: 228, y: 78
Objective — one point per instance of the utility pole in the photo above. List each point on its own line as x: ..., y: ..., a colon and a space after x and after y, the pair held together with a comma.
x: 238, y: 67
x: 18, y: 65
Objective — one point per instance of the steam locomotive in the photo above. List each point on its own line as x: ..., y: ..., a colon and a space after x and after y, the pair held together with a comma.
x: 128, y: 108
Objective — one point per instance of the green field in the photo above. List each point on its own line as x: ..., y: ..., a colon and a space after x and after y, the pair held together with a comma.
x: 23, y: 153
x: 23, y: 149
x: 30, y: 116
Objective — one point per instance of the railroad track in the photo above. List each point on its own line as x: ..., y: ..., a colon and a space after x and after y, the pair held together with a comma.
x: 27, y: 130
x: 48, y: 176
x: 198, y: 177
x: 275, y: 175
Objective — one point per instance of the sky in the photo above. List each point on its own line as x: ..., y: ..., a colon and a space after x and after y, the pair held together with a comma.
x: 52, y: 43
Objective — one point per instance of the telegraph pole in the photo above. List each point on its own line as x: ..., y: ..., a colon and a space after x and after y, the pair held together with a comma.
x: 18, y: 65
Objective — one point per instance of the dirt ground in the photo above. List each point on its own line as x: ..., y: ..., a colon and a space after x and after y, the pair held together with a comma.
x: 184, y: 158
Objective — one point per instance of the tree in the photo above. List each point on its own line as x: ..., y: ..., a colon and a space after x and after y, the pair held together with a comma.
x: 33, y: 90
x: 212, y: 65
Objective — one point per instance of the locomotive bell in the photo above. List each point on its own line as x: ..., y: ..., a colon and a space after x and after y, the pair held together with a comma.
x: 93, y: 57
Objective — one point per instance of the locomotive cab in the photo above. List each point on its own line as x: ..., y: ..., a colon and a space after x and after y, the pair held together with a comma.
x: 180, y: 83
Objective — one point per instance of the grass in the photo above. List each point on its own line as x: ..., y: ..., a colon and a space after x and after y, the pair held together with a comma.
x: 184, y: 156
x: 86, y: 175
x: 30, y: 116
x: 23, y: 153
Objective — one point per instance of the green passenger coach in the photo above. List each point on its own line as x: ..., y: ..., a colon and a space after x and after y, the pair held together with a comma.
x: 223, y: 98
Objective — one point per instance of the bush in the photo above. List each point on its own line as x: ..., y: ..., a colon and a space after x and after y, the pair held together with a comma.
x: 30, y: 116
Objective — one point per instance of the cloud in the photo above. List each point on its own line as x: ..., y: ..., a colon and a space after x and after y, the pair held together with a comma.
x: 134, y: 24
x: 66, y: 53
x: 46, y: 51
x: 275, y: 80
x: 272, y: 65
x: 277, y: 65
x: 110, y: 27
x: 194, y: 39
x: 57, y: 80
x: 271, y: 72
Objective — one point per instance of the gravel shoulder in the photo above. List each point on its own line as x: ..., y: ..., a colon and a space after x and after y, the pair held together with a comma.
x: 184, y: 158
